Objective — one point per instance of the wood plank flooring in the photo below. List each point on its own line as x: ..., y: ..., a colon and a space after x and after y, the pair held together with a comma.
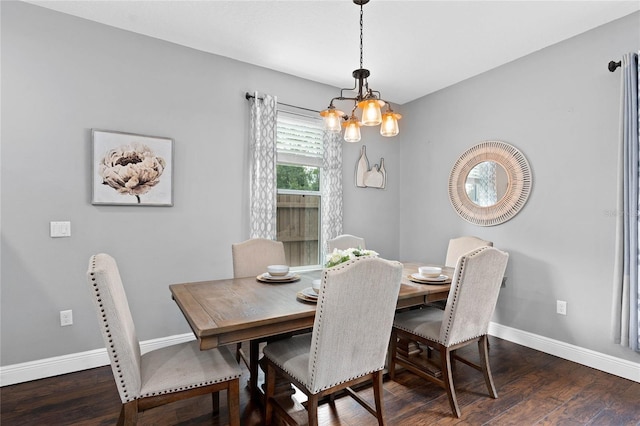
x: 533, y: 388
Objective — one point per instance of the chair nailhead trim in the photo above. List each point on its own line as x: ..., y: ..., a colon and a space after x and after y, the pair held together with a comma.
x: 120, y: 383
x: 319, y: 313
x: 192, y: 386
x: 456, y: 293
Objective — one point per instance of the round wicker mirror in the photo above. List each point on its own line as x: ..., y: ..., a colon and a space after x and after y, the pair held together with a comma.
x: 478, y: 189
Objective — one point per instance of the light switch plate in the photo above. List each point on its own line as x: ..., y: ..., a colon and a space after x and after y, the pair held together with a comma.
x: 60, y: 229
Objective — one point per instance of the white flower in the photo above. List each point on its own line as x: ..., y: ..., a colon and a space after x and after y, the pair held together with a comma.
x: 131, y: 169
x: 340, y: 256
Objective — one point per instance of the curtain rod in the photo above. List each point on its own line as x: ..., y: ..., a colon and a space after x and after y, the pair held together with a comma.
x: 613, y: 65
x: 248, y: 96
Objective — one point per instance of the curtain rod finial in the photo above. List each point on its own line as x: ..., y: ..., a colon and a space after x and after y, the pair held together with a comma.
x: 613, y: 65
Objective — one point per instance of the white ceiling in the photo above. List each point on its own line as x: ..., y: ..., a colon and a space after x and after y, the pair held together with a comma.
x: 411, y: 47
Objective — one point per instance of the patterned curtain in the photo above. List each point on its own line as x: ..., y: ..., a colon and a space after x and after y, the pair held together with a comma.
x: 331, y: 188
x: 262, y: 183
x: 626, y: 305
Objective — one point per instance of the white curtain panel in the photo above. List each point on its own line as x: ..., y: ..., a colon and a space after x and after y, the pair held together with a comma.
x: 262, y: 182
x: 626, y: 306
x: 331, y: 188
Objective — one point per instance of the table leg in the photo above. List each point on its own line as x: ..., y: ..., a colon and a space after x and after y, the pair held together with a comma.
x: 407, y: 348
x: 410, y: 350
x: 283, y: 387
x: 254, y: 355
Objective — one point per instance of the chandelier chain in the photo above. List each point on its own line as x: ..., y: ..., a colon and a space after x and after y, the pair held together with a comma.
x: 361, y: 38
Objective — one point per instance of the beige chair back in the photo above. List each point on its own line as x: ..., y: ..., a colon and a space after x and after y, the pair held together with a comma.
x: 473, y: 295
x: 251, y: 257
x: 459, y: 246
x: 354, y: 316
x: 116, y: 324
x: 345, y: 241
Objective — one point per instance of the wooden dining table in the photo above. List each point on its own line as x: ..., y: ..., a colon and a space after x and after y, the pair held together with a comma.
x: 228, y: 311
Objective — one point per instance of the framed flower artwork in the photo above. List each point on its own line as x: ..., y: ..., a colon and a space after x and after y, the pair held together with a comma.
x: 131, y: 170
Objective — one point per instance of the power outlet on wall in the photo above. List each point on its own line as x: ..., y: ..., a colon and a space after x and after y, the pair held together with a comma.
x: 66, y: 318
x: 561, y: 307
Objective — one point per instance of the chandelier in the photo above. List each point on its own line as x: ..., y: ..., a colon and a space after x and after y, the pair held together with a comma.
x: 368, y: 100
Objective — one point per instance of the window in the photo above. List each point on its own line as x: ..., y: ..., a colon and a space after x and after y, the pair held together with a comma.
x: 299, y: 171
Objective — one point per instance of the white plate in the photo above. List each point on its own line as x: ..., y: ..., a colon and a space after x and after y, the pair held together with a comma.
x: 310, y: 293
x: 429, y: 279
x: 268, y: 276
x: 306, y: 295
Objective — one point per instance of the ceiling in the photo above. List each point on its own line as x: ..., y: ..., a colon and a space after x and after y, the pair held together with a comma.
x: 411, y: 47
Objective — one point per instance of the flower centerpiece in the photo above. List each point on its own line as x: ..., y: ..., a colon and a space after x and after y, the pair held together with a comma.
x: 340, y: 256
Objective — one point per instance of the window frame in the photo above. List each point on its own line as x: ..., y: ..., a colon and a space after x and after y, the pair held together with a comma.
x: 289, y: 159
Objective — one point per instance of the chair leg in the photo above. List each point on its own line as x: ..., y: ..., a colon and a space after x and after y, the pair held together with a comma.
x: 393, y: 347
x: 447, y: 377
x: 312, y: 410
x: 233, y: 402
x: 270, y: 387
x: 377, y: 395
x: 128, y: 414
x: 483, y: 348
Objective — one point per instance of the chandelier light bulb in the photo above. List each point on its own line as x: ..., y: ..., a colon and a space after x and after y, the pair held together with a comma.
x: 389, y: 125
x: 352, y: 130
x: 332, y: 119
x: 371, y: 115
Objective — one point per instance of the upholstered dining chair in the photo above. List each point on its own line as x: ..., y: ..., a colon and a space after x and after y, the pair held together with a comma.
x: 465, y: 320
x: 461, y: 245
x: 345, y: 241
x: 349, y: 340
x: 456, y: 248
x: 163, y: 375
x: 251, y: 257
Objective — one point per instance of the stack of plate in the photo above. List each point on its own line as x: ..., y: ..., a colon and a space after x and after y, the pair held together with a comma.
x: 308, y: 295
x: 428, y: 280
x: 268, y: 278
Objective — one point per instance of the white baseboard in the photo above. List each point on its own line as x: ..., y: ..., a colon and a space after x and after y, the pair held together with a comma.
x: 39, y: 369
x: 48, y: 367
x: 607, y: 363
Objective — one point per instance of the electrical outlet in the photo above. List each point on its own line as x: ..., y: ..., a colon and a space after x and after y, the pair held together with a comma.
x: 561, y: 307
x: 66, y: 318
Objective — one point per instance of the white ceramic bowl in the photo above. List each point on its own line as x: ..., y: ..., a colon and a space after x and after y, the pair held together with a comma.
x: 278, y: 270
x: 430, y: 271
x: 315, y: 285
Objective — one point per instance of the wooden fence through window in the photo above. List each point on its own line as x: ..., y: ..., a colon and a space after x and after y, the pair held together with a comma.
x: 298, y: 227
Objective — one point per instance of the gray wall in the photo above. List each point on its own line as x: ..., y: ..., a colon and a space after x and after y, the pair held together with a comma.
x: 63, y: 76
x: 560, y: 107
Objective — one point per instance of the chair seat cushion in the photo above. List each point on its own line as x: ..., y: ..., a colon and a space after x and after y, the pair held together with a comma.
x: 185, y: 366
x: 292, y: 356
x: 424, y: 322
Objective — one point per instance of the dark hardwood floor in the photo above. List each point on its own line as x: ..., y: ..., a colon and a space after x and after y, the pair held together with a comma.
x: 533, y: 388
